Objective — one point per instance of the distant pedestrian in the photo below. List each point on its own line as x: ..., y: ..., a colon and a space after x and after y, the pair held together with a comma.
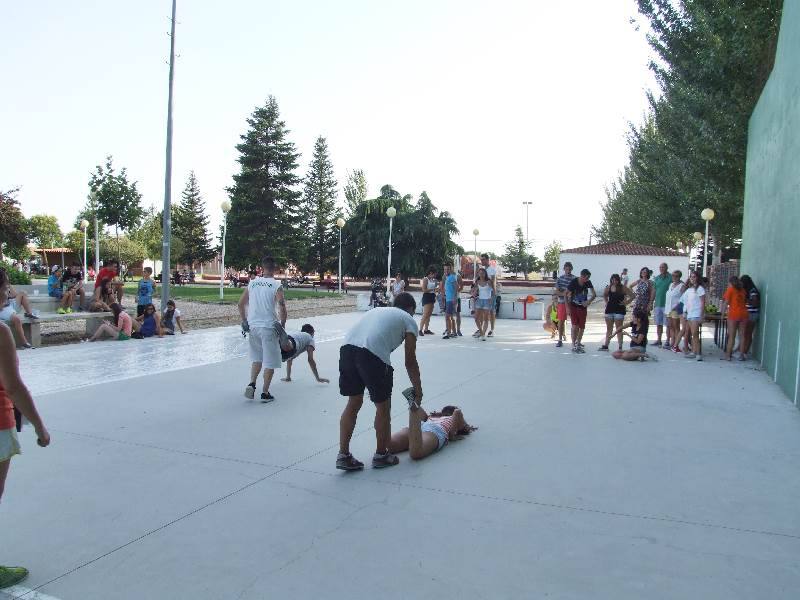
x: 753, y: 310
x: 562, y: 283
x: 484, y: 300
x: 694, y: 306
x: 644, y: 291
x: 145, y: 291
x: 450, y: 288
x: 399, y: 285
x: 674, y: 309
x: 735, y: 308
x: 429, y: 286
x: 257, y: 307
x: 580, y: 295
x: 661, y: 284
x: 624, y: 277
x: 617, y: 298
x: 491, y: 273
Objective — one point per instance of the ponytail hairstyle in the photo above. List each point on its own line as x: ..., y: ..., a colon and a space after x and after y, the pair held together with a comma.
x: 736, y: 282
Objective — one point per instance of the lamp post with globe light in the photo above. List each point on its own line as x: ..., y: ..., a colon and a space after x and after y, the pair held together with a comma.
x: 391, y: 212
x: 706, y: 215
x: 226, y: 207
x: 340, y: 225
x: 85, y: 226
x: 93, y: 199
x: 475, y: 234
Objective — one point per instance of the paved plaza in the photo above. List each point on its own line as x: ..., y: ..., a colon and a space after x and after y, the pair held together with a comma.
x: 588, y: 477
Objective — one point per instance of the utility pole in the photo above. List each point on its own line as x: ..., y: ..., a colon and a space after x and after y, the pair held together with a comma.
x: 527, y: 206
x: 167, y: 221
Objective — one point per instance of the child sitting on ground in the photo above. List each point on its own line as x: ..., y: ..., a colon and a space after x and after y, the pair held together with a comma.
x: 171, y: 318
x: 120, y: 329
x: 638, y: 335
x: 148, y: 324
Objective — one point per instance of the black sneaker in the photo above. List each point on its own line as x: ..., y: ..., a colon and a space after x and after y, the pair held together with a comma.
x: 250, y: 391
x: 657, y: 344
x: 346, y: 462
x: 446, y: 336
x: 559, y: 343
x: 266, y: 397
x: 381, y: 461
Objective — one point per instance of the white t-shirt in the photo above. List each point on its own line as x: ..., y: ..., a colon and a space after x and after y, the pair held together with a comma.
x: 692, y: 303
x: 261, y: 307
x: 673, y: 296
x: 303, y: 341
x: 177, y: 312
x: 491, y: 272
x: 381, y: 331
x: 485, y: 291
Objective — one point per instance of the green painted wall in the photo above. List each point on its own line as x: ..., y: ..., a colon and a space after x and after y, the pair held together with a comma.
x: 771, y: 228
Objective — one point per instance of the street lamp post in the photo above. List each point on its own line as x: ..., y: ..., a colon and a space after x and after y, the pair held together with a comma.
x: 698, y: 235
x: 84, y: 226
x: 93, y: 197
x: 527, y: 206
x: 226, y: 207
x: 706, y: 215
x: 390, y: 212
x: 340, y: 224
x: 475, y: 233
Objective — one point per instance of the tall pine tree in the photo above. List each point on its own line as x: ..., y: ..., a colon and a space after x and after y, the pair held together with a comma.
x: 191, y: 225
x: 264, y: 216
x: 319, y: 212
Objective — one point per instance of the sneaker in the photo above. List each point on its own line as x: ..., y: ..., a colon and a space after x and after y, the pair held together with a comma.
x: 446, y: 336
x: 250, y: 391
x: 69, y: 310
x: 657, y: 344
x: 491, y: 334
x: 61, y: 311
x: 580, y: 349
x: 266, y: 397
x: 483, y: 339
x: 346, y: 462
x: 408, y: 394
x: 603, y: 348
x: 421, y: 333
x: 12, y: 576
x: 429, y: 332
x: 690, y: 355
x: 574, y: 348
x: 559, y: 343
x: 460, y: 334
x: 477, y: 334
x: 381, y: 461
x: 676, y: 350
x: 31, y: 316
x: 580, y: 345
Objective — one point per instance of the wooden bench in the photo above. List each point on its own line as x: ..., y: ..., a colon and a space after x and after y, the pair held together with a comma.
x: 33, y: 327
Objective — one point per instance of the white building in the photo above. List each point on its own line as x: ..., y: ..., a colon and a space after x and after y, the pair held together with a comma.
x: 603, y: 260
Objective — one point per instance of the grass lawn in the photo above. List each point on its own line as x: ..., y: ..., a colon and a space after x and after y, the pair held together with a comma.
x: 209, y: 293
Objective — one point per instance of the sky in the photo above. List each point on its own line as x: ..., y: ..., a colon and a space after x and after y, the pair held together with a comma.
x: 482, y: 105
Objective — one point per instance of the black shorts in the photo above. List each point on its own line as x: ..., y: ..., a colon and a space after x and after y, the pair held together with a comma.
x: 358, y: 369
x: 428, y: 298
x: 290, y: 354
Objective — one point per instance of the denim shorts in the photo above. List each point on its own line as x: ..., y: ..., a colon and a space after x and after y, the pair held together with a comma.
x: 450, y: 307
x: 695, y: 319
x: 483, y: 304
x: 436, y: 430
x: 752, y: 317
x: 660, y: 315
x: 615, y: 317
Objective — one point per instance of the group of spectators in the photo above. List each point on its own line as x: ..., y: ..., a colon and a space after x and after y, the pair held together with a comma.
x: 678, y: 308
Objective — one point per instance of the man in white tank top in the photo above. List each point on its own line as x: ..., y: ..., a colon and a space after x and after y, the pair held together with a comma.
x: 259, y: 307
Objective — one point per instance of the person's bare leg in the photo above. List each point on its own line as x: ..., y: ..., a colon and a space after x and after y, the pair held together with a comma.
x: 420, y: 444
x: 742, y: 328
x: 561, y: 328
x: 118, y: 289
x: 268, y: 374
x: 580, y: 334
x: 492, y: 317
x: 104, y: 329
x: 609, y: 332
x: 24, y: 302
x: 4, y: 466
x: 347, y: 422
x: 732, y: 327
x: 383, y: 426
x: 659, y: 332
x: 749, y: 327
x: 16, y: 327
x: 695, y: 337
x: 618, y: 325
x: 82, y: 295
x: 255, y: 369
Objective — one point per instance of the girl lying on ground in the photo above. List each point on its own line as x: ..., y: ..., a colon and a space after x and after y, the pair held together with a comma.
x: 428, y: 433
x: 638, y: 335
x: 121, y: 328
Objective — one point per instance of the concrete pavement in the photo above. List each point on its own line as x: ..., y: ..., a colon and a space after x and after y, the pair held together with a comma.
x: 588, y: 477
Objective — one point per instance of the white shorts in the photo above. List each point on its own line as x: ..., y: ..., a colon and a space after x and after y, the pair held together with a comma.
x: 9, y: 444
x: 265, y: 347
x: 8, y: 311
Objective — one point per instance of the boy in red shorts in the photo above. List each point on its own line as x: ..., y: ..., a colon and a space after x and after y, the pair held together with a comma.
x: 580, y: 294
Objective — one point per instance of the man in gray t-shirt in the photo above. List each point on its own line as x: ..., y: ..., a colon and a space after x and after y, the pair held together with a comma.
x: 364, y: 363
x: 298, y: 342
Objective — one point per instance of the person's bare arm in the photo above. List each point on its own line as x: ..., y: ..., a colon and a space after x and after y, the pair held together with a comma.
x: 652, y: 295
x: 15, y: 388
x: 412, y: 367
x: 628, y: 295
x: 281, y: 306
x: 242, y: 304
x: 313, y: 364
x: 458, y: 424
x: 606, y: 292
x: 159, y: 330
x: 288, y: 371
x: 180, y: 325
x: 591, y: 297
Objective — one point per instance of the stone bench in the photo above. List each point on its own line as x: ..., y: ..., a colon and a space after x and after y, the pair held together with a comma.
x: 33, y: 327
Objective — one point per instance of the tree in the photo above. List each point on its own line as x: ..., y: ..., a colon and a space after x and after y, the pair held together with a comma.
x: 422, y: 236
x: 43, y: 230
x: 552, y: 256
x: 150, y: 234
x: 355, y: 191
x: 128, y: 251
x: 190, y: 225
x: 118, y: 200
x: 713, y: 60
x: 319, y: 212
x: 13, y: 226
x: 264, y: 216
x: 516, y: 257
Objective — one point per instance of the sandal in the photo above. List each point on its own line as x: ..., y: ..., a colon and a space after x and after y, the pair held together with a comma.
x: 380, y: 461
x: 346, y: 462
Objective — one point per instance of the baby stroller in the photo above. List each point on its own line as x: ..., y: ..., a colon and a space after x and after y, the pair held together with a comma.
x: 378, y: 297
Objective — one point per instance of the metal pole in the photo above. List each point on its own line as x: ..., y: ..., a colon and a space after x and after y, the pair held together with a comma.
x: 96, y: 243
x: 85, y: 266
x: 475, y: 262
x: 340, y: 258
x: 705, y: 250
x: 222, y: 268
x: 389, y: 264
x: 167, y: 220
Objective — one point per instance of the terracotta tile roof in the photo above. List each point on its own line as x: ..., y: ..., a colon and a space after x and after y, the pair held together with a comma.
x: 625, y: 249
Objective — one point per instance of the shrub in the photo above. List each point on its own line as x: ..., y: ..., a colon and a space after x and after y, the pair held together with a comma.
x: 15, y: 276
